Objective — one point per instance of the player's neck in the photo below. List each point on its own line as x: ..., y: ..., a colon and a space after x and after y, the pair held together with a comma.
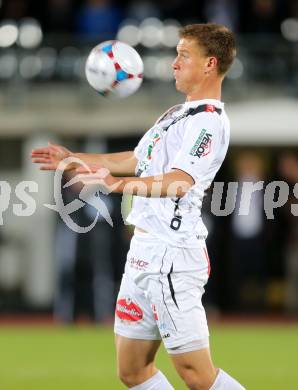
x: 200, y: 92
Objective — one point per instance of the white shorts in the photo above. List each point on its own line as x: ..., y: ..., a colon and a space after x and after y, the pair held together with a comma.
x: 161, y: 293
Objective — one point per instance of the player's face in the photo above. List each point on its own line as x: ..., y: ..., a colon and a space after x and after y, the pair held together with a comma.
x: 190, y: 65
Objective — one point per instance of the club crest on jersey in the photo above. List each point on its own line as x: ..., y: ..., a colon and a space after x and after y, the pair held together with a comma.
x: 202, y: 146
x: 144, y: 163
x: 153, y: 142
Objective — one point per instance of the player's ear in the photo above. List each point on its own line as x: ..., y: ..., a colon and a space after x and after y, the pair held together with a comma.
x: 211, y: 64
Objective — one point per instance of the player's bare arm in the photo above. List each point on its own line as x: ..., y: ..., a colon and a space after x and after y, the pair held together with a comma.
x: 172, y: 184
x: 51, y: 156
x: 121, y: 163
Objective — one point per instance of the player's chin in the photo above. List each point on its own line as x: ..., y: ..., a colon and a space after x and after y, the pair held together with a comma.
x: 179, y: 86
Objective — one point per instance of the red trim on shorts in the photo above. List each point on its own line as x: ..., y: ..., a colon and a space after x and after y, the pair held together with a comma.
x: 208, y: 261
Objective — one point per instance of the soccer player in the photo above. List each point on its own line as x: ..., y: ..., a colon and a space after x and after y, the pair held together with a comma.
x: 167, y: 265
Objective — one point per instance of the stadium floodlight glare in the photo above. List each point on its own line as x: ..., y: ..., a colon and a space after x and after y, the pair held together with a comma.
x: 151, y: 32
x: 48, y: 57
x: 158, y: 67
x: 8, y: 33
x: 30, y: 34
x: 8, y: 66
x: 289, y: 29
x: 163, y: 68
x: 150, y: 67
x: 79, y: 67
x: 66, y: 61
x: 170, y: 33
x: 30, y: 66
x: 129, y: 33
x: 236, y: 70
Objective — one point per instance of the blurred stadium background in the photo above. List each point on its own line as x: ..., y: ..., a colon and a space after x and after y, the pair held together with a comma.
x: 50, y: 275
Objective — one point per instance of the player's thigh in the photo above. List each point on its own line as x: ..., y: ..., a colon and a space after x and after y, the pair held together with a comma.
x: 134, y: 355
x: 195, y: 366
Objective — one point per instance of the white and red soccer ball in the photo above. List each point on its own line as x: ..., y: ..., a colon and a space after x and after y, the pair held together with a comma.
x: 114, y: 68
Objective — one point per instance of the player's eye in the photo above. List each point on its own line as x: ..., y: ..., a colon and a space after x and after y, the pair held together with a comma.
x: 183, y: 55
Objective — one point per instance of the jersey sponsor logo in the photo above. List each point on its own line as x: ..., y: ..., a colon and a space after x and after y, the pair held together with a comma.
x: 202, y: 146
x: 138, y: 264
x: 128, y: 311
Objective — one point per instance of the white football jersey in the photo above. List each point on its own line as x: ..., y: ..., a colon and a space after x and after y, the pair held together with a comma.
x: 193, y: 137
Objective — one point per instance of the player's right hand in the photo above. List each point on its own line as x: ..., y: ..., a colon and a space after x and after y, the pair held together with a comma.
x: 51, y: 156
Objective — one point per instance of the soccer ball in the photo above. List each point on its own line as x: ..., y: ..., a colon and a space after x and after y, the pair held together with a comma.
x: 114, y: 68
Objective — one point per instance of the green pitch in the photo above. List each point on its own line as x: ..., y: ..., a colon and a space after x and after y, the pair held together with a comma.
x: 75, y: 358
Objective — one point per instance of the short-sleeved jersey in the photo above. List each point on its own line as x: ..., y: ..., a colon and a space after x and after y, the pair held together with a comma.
x: 195, y: 143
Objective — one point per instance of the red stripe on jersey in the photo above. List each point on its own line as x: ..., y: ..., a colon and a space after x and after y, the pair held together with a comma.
x: 210, y: 108
x: 208, y: 261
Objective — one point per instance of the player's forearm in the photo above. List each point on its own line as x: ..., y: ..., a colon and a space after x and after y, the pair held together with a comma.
x: 122, y: 163
x: 172, y: 184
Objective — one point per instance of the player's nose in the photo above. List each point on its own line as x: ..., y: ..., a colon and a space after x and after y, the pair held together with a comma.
x: 175, y: 64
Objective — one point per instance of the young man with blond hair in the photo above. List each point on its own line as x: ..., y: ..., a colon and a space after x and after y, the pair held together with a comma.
x: 167, y: 265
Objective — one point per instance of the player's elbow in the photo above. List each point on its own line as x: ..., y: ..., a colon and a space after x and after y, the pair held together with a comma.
x: 182, y: 191
x: 179, y: 188
x: 183, y: 182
